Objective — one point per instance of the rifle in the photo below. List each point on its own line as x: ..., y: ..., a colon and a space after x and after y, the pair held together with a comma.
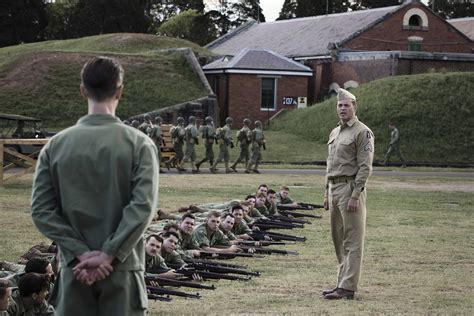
x: 259, y: 235
x: 221, y: 255
x: 310, y: 205
x: 268, y: 224
x: 220, y: 269
x: 295, y: 214
x: 216, y: 263
x: 261, y: 243
x: 284, y: 218
x: 157, y: 297
x: 177, y: 283
x: 211, y: 275
x: 270, y: 251
x: 162, y: 291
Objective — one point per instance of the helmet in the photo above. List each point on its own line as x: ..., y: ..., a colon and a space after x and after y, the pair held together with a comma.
x: 158, y: 120
x: 180, y: 120
x: 208, y: 119
x: 229, y: 120
x: 192, y: 119
x: 135, y: 123
x: 246, y: 121
x: 258, y: 124
x: 147, y: 117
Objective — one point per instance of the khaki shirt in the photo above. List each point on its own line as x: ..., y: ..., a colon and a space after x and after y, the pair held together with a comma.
x: 351, y: 152
x: 205, y: 238
x: 191, y: 134
x: 187, y: 242
x: 244, y: 136
x: 96, y: 188
x: 18, y: 308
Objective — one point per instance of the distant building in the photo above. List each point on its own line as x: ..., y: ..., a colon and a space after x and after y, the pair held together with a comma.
x: 348, y: 49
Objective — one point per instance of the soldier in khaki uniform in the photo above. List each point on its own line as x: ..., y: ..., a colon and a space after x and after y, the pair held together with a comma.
x: 94, y: 193
x: 208, y: 235
x: 244, y: 137
x: 178, y: 134
x: 258, y: 141
x: 208, y: 133
x: 156, y: 134
x: 154, y: 263
x: 349, y: 164
x: 191, y: 138
x: 224, y: 136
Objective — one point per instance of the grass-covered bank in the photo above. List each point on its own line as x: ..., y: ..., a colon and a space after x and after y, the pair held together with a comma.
x: 418, y: 256
x: 433, y: 112
x: 42, y: 79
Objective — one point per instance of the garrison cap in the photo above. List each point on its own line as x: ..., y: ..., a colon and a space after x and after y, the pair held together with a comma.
x: 345, y: 95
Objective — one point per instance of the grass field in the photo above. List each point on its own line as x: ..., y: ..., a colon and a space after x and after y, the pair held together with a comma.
x: 419, y: 256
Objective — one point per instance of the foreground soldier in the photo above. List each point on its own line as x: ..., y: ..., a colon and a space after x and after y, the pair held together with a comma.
x: 191, y: 140
x: 98, y: 226
x: 349, y: 164
x: 30, y: 297
x: 224, y: 137
x: 154, y: 263
x: 258, y: 141
x: 208, y: 133
x: 209, y: 237
x: 244, y: 137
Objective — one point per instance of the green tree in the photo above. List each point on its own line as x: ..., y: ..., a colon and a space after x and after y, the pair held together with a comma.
x: 288, y: 10
x: 22, y: 21
x: 303, y: 8
x: 371, y: 4
x: 245, y: 9
x: 450, y: 9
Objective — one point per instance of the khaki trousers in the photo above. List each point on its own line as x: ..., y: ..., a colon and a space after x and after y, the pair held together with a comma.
x: 347, y: 229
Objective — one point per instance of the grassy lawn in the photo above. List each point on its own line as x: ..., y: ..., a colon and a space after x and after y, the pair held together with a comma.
x: 419, y: 258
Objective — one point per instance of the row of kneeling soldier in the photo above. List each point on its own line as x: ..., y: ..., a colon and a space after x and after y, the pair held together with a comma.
x: 250, y: 143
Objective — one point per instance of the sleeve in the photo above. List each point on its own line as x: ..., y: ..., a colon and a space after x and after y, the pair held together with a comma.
x: 365, y: 156
x: 138, y: 214
x: 201, y: 239
x: 46, y: 211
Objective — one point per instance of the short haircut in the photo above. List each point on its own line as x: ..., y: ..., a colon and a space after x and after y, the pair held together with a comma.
x: 168, y: 234
x: 37, y: 265
x: 262, y: 185
x: 213, y: 214
x: 237, y: 207
x: 187, y: 215
x: 245, y: 203
x: 4, y: 285
x: 101, y: 76
x: 271, y: 192
x: 250, y: 197
x: 153, y: 236
x: 261, y: 194
x: 224, y: 215
x: 284, y: 188
x: 33, y: 283
x: 170, y: 225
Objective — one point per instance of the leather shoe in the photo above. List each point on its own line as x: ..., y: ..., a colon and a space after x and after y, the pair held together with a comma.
x: 326, y: 292
x: 339, y: 294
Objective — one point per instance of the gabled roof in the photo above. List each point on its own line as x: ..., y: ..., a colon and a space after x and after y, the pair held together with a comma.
x: 303, y: 36
x: 465, y: 25
x: 251, y: 60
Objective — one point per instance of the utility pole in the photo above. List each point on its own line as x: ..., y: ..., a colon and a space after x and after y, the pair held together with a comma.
x: 327, y: 7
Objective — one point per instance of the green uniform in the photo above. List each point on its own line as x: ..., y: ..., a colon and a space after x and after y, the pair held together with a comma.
x: 206, y: 238
x: 191, y: 138
x: 255, y: 213
x: 241, y: 228
x: 96, y: 188
x: 244, y: 137
x: 263, y: 210
x: 394, y: 146
x: 155, y: 264
x: 225, y: 141
x: 156, y: 134
x: 18, y: 308
x: 258, y: 140
x: 172, y: 259
x: 178, y: 134
x: 271, y: 207
x: 228, y: 234
x: 349, y: 164
x: 280, y: 200
x: 208, y: 133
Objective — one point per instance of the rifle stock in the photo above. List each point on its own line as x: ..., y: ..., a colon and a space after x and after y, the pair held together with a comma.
x: 162, y: 291
x: 157, y: 297
x: 177, y: 283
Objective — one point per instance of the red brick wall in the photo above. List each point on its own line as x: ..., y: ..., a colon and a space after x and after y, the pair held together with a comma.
x: 245, y: 95
x: 390, y: 35
x: 362, y: 71
x: 408, y: 67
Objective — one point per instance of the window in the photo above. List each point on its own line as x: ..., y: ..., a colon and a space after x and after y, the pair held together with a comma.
x: 415, y: 21
x: 268, y: 93
x: 414, y: 43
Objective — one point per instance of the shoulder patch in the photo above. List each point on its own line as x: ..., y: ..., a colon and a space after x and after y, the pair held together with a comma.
x: 368, y: 147
x: 369, y: 134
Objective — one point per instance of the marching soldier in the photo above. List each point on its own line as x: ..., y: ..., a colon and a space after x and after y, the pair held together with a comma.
x: 178, y: 134
x: 208, y: 133
x: 394, y: 146
x: 244, y: 137
x: 224, y: 136
x: 258, y: 141
x: 146, y: 124
x: 191, y: 138
x: 156, y: 134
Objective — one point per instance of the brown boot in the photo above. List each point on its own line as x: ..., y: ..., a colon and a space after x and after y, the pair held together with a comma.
x: 340, y: 294
x: 326, y: 292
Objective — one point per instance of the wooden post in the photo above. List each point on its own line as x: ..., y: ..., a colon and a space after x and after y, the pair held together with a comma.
x: 1, y: 163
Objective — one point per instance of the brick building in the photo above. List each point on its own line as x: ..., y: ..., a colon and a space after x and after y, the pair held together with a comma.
x: 348, y: 49
x: 257, y: 83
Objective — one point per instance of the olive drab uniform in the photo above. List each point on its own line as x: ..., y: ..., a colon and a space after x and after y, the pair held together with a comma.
x: 208, y: 134
x: 155, y: 264
x: 349, y: 164
x: 156, y: 134
x: 74, y: 204
x: 244, y: 137
x: 206, y: 238
x: 224, y: 138
x: 394, y: 146
x: 17, y: 307
x: 178, y: 134
x: 191, y: 139
x: 258, y: 141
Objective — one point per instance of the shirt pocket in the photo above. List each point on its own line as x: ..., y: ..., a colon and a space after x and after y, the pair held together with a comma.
x: 346, y: 149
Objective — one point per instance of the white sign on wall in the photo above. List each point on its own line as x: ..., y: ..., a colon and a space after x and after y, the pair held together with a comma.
x: 302, y: 102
